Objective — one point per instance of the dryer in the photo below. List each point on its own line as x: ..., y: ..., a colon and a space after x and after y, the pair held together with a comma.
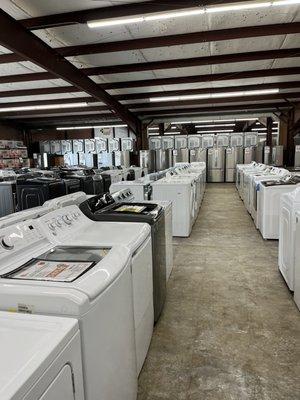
x: 182, y: 195
x: 289, y: 205
x: 40, y: 358
x: 57, y: 265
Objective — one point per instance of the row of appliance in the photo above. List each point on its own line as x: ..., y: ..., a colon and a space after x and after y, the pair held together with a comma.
x: 221, y: 161
x: 99, y: 266
x: 260, y: 187
x: 88, y: 152
x: 27, y: 188
x: 183, y: 185
x: 272, y: 197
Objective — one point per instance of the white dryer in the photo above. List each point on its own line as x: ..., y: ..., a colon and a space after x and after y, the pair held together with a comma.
x: 269, y: 204
x: 289, y: 205
x: 182, y: 195
x: 40, y: 358
x: 257, y: 168
x: 297, y: 261
x: 56, y: 265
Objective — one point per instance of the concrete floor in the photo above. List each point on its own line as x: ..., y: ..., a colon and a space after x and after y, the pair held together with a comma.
x: 230, y: 329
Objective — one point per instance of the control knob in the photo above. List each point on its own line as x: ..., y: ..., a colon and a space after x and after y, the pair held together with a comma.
x: 67, y: 219
x: 6, y: 243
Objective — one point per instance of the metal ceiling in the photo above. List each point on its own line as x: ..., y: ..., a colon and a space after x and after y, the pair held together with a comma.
x: 125, y: 65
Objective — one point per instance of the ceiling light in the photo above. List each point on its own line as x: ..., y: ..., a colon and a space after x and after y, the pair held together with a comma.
x: 71, y: 128
x: 172, y: 133
x: 263, y: 129
x: 246, y: 119
x: 44, y: 107
x: 214, y: 95
x: 217, y: 131
x: 238, y: 7
x: 153, y: 129
x: 188, y: 12
x: 213, y: 126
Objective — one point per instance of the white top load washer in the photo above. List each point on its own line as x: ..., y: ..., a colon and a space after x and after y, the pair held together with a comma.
x: 256, y: 169
x: 269, y: 204
x: 179, y: 173
x: 140, y: 188
x: 182, y: 195
x: 289, y: 205
x: 239, y: 169
x: 297, y: 261
x: 254, y: 189
x: 57, y: 265
x: 40, y: 358
x: 248, y: 175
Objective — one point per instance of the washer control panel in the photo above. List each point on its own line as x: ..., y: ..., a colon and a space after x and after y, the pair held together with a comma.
x: 63, y: 221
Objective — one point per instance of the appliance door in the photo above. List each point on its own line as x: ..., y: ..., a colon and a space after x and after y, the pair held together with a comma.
x: 230, y: 158
x: 198, y: 155
x: 61, y: 387
x: 180, y: 155
x: 216, y: 161
x: 249, y: 155
x: 169, y: 158
x: 160, y: 163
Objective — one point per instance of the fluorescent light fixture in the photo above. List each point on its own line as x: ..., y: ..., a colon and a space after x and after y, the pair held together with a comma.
x: 153, y: 129
x: 245, y: 119
x: 188, y: 12
x: 263, y: 129
x: 214, y: 95
x: 213, y: 120
x: 213, y: 126
x: 44, y: 107
x: 72, y: 128
x: 173, y: 133
x: 238, y: 7
x: 217, y: 131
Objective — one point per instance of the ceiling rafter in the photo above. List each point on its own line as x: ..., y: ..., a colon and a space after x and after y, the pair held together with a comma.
x: 124, y: 10
x: 139, y: 106
x: 157, y: 82
x: 147, y: 95
x: 157, y: 65
x: 18, y: 39
x: 170, y: 40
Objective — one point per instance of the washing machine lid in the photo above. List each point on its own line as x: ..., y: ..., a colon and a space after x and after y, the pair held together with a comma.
x: 29, y: 344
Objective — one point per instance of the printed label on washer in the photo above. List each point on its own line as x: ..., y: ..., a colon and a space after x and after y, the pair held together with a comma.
x: 55, y: 271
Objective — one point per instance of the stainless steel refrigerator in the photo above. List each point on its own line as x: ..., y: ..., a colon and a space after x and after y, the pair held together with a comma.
x: 181, y: 151
x: 198, y: 155
x: 267, y: 155
x: 277, y: 156
x: 249, y: 154
x: 234, y: 156
x: 216, y: 164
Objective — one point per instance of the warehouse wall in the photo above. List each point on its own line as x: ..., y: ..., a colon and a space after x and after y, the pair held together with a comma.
x: 53, y: 134
x: 10, y: 133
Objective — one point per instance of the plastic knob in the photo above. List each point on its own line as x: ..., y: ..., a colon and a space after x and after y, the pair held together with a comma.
x: 6, y: 244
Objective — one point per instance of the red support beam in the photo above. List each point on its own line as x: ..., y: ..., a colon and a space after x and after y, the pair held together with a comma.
x: 154, y: 65
x: 170, y: 40
x: 158, y: 82
x: 16, y: 38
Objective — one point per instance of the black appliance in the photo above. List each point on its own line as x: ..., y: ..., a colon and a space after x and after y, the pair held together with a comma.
x: 106, y: 209
x: 33, y: 191
x: 85, y: 179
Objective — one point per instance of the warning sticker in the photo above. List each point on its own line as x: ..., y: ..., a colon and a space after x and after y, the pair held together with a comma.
x: 132, y: 209
x: 55, y: 271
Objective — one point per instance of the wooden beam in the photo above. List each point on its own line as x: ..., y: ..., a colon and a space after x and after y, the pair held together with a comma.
x: 16, y: 38
x: 155, y: 65
x: 170, y: 40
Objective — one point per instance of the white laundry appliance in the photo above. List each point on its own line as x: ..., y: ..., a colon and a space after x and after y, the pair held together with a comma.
x: 269, y: 204
x: 289, y: 205
x: 40, y: 358
x: 247, y: 183
x: 241, y: 169
x: 181, y: 192
x: 126, y: 195
x: 140, y: 188
x: 185, y: 172
x: 297, y: 261
x: 254, y: 187
x: 138, y: 171
x: 57, y: 265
